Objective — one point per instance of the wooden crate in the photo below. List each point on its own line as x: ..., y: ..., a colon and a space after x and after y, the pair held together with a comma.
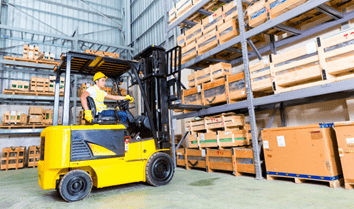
x: 192, y: 96
x: 13, y: 157
x: 193, y: 141
x: 33, y: 110
x: 189, y: 51
x: 39, y: 84
x: 236, y: 160
x: 47, y: 117
x: 224, y: 121
x: 108, y: 90
x: 261, y: 80
x: 265, y: 10
x: 212, y: 73
x: 11, y: 117
x: 237, y: 88
x: 196, y: 125
x: 33, y: 156
x: 223, y: 139
x: 191, y: 79
x: 216, y: 92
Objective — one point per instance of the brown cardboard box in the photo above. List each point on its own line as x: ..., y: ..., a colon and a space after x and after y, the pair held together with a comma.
x: 305, y: 152
x: 35, y: 110
x: 35, y: 119
x: 345, y: 139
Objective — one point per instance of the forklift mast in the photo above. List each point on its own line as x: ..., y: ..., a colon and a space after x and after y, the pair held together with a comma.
x: 161, y: 85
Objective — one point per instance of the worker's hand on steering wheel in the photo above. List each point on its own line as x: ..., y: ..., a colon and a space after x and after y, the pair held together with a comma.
x: 88, y: 116
x: 128, y: 97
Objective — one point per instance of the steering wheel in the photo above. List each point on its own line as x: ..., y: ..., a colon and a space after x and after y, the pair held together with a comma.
x: 123, y: 105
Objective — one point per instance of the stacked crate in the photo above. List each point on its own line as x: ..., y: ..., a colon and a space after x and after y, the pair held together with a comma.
x: 35, y: 115
x: 33, y: 156
x: 14, y: 117
x: 83, y: 88
x: 13, y: 157
x: 322, y: 61
x: 39, y: 84
x: 52, y: 84
x: 221, y: 142
x: 19, y: 85
x: 108, y: 90
x: 47, y: 117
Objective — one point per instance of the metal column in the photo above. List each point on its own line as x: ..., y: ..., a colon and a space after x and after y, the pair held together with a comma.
x: 256, y: 153
x: 75, y: 100
x: 66, y: 105
x: 56, y: 99
x: 173, y: 139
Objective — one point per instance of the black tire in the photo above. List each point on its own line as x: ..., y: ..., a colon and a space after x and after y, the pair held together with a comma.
x: 159, y: 169
x: 75, y: 185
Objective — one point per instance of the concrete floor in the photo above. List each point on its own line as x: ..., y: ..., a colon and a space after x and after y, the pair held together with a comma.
x: 188, y: 189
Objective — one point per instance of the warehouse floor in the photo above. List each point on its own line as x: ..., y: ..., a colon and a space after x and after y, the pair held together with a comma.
x: 188, y: 189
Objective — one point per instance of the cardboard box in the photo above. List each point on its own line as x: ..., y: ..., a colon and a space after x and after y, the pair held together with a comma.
x: 35, y: 119
x: 345, y: 139
x: 306, y: 152
x: 35, y: 110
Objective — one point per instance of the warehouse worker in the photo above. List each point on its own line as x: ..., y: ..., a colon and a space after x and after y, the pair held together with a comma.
x: 98, y: 95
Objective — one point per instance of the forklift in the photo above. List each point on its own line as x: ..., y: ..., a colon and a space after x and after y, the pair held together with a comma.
x: 108, y: 152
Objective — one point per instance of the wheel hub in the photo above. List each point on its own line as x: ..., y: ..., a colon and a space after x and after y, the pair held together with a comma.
x: 75, y: 186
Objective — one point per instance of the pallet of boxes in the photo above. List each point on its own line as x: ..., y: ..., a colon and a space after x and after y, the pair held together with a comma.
x: 33, y: 155
x: 221, y: 142
x: 13, y: 158
x: 13, y: 118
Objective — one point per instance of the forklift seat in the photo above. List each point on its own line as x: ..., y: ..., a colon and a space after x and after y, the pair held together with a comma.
x: 105, y: 117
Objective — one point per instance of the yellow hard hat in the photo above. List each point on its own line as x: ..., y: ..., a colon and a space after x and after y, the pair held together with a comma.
x: 99, y: 75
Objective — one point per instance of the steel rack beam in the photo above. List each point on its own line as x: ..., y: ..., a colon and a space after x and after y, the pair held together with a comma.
x: 21, y: 131
x: 27, y: 64
x: 304, y: 34
x: 330, y: 11
x: 288, y: 29
x: 257, y: 30
x: 204, y: 12
x: 254, y: 49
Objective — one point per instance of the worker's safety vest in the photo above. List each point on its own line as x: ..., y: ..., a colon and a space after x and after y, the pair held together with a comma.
x: 100, y: 106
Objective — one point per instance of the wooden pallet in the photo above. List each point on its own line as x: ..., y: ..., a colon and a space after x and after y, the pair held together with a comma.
x: 298, y: 180
x: 19, y: 59
x: 19, y: 126
x: 33, y: 93
x: 236, y: 160
x: 13, y: 157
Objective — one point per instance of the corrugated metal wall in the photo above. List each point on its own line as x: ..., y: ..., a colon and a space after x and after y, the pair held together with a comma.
x: 60, y: 17
x: 148, y: 23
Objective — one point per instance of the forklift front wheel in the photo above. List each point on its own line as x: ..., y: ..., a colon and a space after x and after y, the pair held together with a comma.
x: 159, y: 169
x: 75, y: 185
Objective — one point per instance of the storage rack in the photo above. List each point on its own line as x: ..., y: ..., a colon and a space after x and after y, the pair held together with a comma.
x: 341, y: 89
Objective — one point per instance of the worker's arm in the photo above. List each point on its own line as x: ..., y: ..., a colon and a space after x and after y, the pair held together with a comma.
x: 84, y: 100
x: 108, y: 96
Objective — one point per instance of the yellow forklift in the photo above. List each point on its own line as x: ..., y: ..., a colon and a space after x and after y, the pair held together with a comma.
x: 109, y: 152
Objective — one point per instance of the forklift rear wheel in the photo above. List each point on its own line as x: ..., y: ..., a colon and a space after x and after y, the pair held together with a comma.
x: 75, y: 185
x: 159, y: 169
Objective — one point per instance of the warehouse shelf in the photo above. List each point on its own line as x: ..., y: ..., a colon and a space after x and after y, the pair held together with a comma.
x: 27, y: 64
x: 341, y: 89
x: 320, y: 93
x: 21, y: 131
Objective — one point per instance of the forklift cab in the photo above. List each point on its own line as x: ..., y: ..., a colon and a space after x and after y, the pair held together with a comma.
x: 105, y: 153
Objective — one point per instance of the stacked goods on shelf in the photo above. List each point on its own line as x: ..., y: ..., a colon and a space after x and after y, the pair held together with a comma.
x: 181, y: 7
x: 302, y: 153
x: 108, y: 90
x: 14, y: 117
x: 52, y: 84
x: 39, y: 84
x: 209, y: 77
x: 19, y: 85
x: 13, y: 157
x: 323, y: 61
x: 212, y: 31
x: 345, y: 139
x: 102, y: 53
x: 237, y: 160
x: 47, y: 117
x: 237, y: 88
x: 83, y: 88
x: 216, y: 92
x: 35, y: 115
x: 31, y: 53
x: 33, y: 154
x: 225, y: 130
